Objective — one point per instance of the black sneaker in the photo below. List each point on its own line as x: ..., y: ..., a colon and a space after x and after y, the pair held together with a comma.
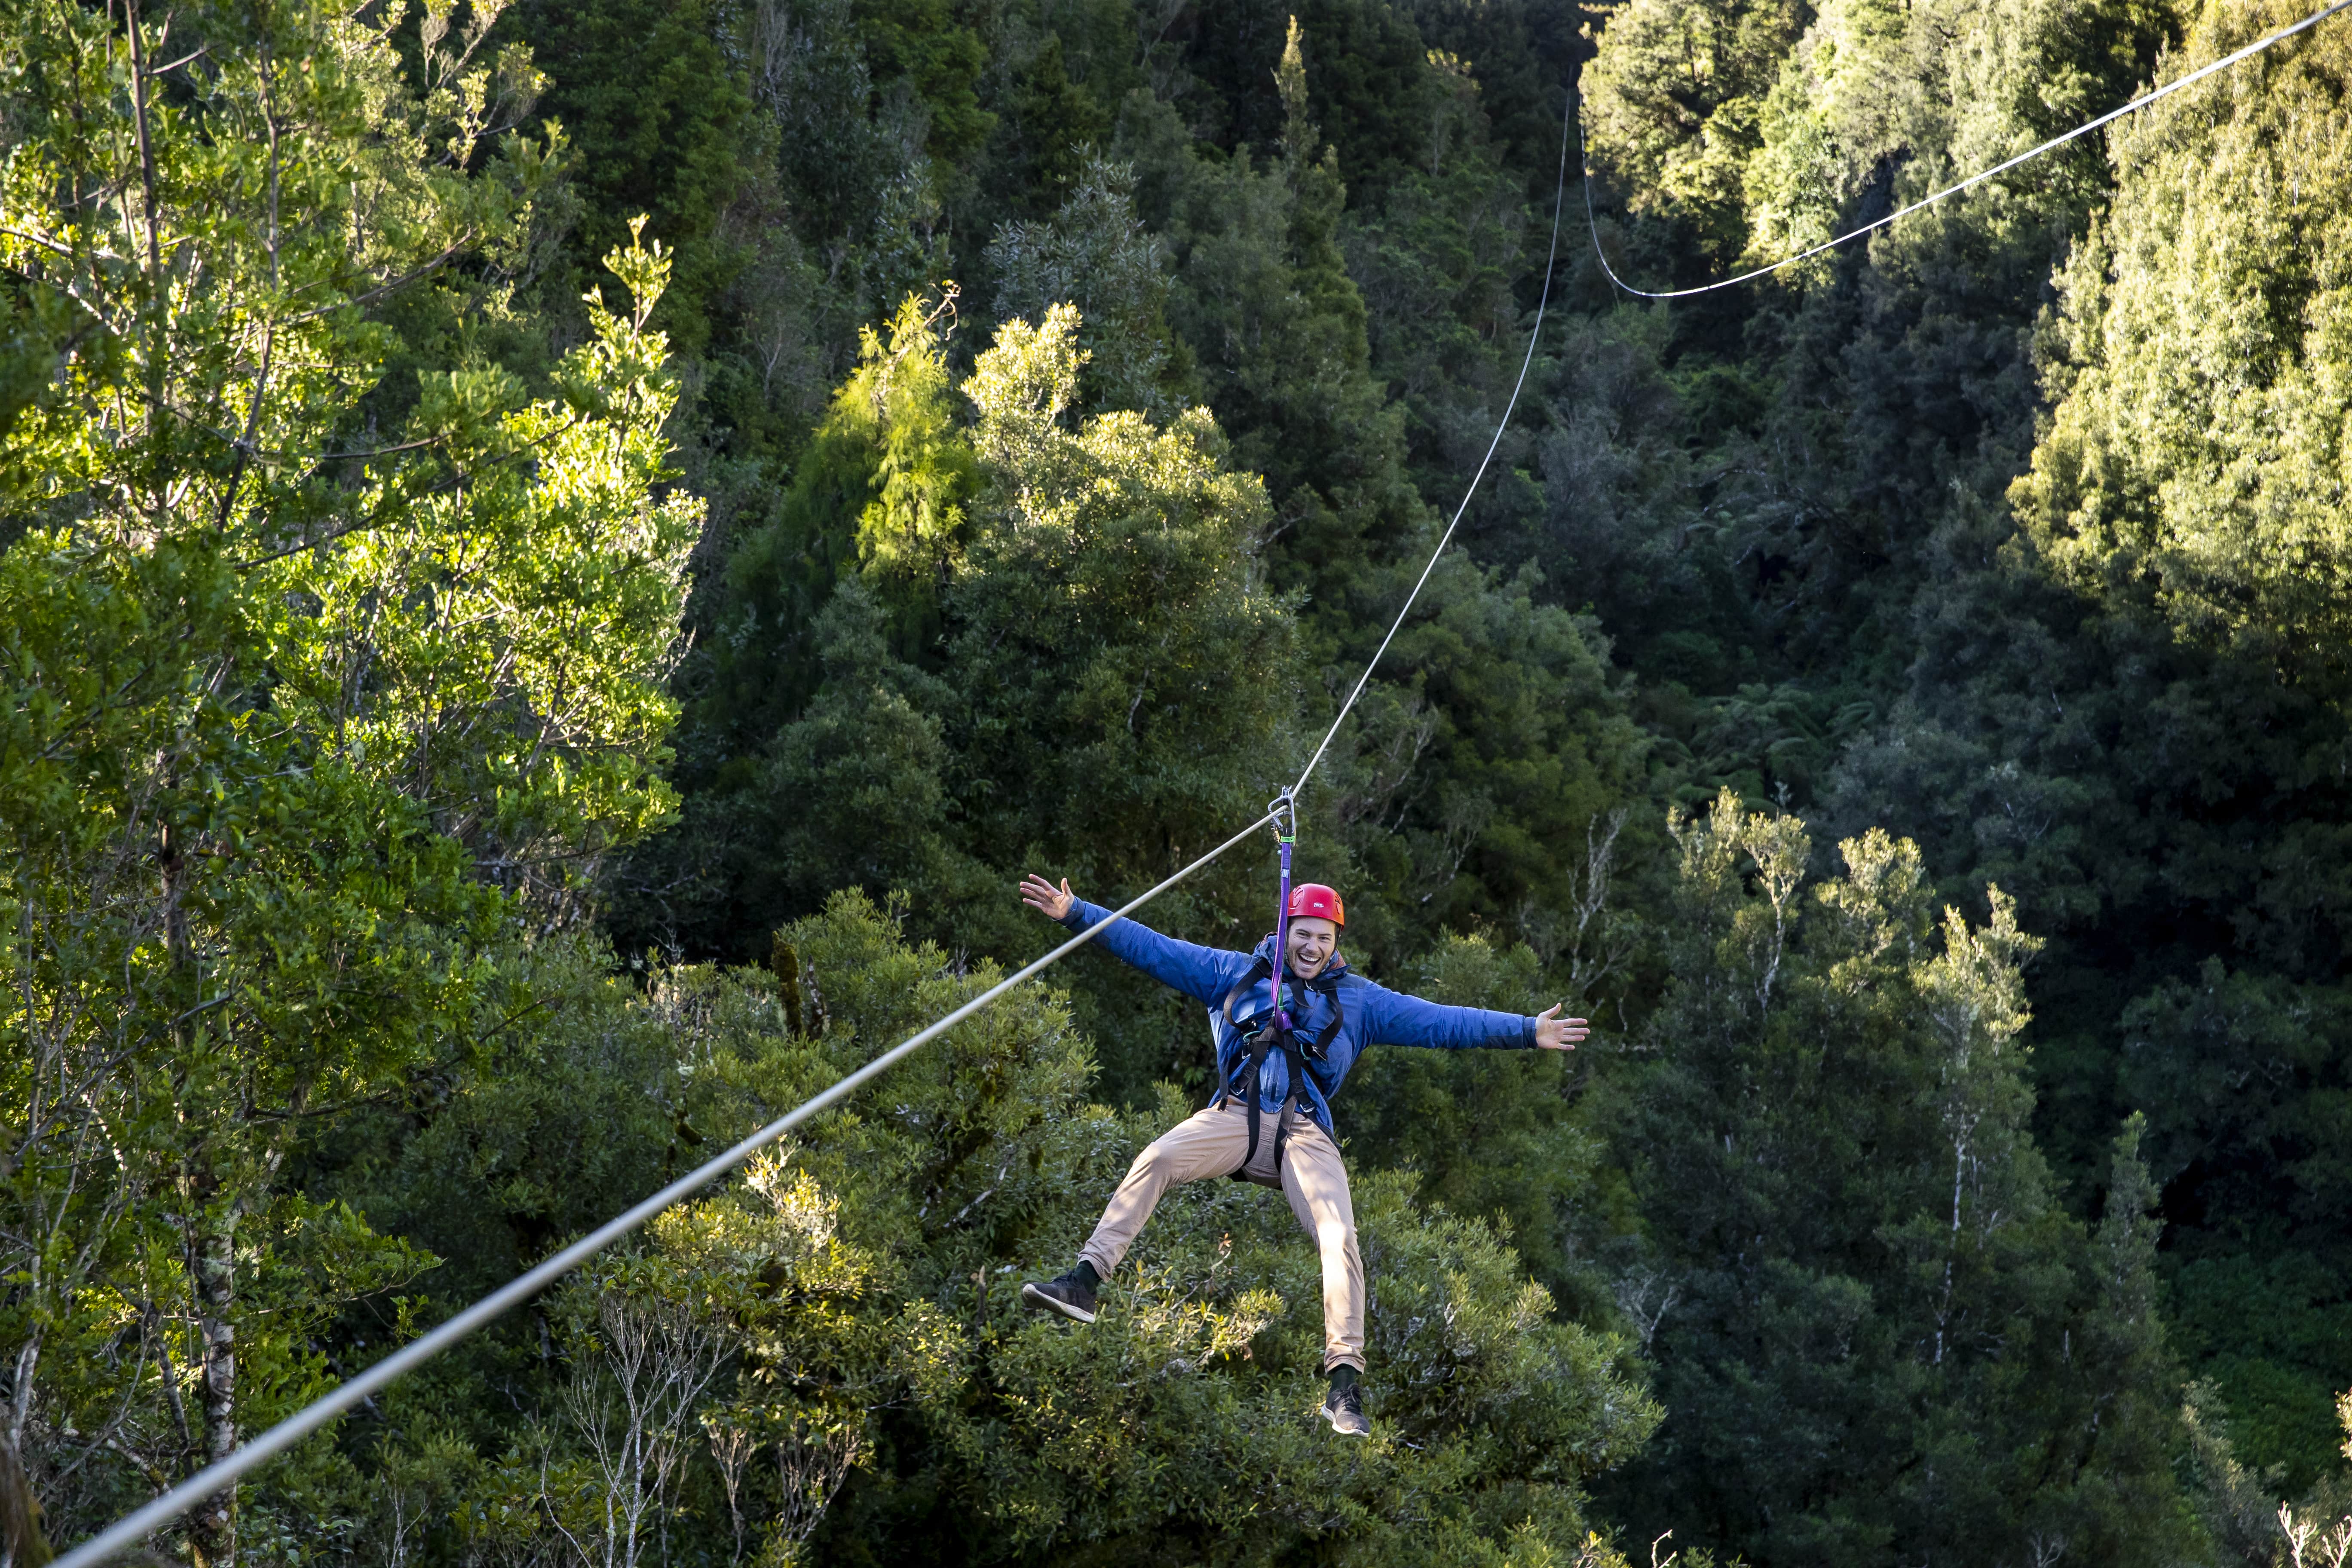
x: 1345, y: 1410
x: 1073, y: 1295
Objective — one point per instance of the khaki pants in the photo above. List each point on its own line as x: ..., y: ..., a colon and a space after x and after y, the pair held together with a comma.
x: 1211, y: 1144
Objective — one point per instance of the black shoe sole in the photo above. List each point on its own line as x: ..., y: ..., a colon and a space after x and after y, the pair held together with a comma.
x: 1037, y: 1298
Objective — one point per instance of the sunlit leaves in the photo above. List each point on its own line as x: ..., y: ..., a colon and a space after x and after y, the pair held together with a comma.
x: 310, y: 722
x: 2198, y: 453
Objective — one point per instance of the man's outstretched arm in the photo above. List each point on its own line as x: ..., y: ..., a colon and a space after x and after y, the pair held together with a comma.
x: 1397, y: 1019
x: 1204, y: 973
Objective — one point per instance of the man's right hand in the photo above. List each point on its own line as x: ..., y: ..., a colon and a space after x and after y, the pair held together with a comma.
x: 1554, y: 1033
x: 1041, y: 895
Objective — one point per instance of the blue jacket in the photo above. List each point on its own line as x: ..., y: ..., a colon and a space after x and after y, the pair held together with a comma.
x: 1370, y: 1014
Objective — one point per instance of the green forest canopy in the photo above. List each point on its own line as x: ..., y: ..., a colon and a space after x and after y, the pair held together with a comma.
x: 557, y: 560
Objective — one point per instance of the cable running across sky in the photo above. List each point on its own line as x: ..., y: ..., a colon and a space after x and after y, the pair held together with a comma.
x: 126, y: 1533
x: 1593, y: 223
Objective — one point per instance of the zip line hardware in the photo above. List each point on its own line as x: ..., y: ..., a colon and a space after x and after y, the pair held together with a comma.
x: 127, y: 1532
x: 1285, y: 814
x: 1593, y: 223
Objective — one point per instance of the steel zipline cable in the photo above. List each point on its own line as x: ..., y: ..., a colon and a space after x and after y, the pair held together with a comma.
x: 129, y: 1531
x: 2200, y: 74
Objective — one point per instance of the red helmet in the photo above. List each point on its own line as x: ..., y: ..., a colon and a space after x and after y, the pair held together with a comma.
x: 1316, y: 901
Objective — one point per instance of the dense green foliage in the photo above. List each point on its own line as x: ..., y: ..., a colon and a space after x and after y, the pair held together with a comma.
x: 557, y: 561
x: 1854, y: 1264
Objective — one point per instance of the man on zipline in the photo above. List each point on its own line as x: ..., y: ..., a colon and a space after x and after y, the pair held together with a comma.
x: 1278, y: 1064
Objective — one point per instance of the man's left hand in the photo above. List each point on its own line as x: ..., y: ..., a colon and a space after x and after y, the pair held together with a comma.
x: 1554, y: 1033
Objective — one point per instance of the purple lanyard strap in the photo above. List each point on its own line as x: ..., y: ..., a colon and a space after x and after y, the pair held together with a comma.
x: 1286, y: 833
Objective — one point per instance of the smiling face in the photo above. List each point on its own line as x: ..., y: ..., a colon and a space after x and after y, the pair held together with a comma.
x: 1312, y: 946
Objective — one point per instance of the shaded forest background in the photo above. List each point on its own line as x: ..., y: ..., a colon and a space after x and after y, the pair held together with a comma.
x: 557, y: 561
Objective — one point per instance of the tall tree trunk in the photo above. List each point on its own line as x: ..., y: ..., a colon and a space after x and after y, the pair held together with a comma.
x: 21, y: 1542
x: 212, y: 1529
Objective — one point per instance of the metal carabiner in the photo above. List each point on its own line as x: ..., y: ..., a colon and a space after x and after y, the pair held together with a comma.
x: 1284, y: 812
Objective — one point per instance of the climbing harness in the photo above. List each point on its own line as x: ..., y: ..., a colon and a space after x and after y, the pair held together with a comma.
x: 1592, y: 224
x: 1277, y: 1031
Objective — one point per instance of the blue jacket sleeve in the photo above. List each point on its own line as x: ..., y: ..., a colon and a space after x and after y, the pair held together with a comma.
x: 1203, y: 974
x: 1393, y: 1018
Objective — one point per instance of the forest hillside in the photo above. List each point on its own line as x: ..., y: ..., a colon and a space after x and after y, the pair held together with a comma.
x: 559, y: 558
